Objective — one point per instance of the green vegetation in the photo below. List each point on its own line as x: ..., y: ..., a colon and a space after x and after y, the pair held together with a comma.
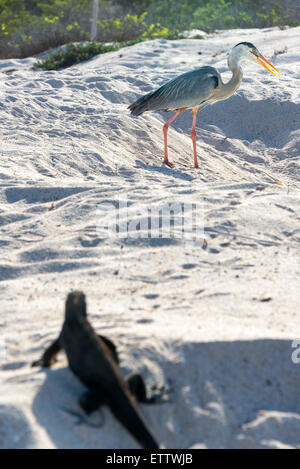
x: 220, y: 14
x: 28, y: 27
x: 74, y: 54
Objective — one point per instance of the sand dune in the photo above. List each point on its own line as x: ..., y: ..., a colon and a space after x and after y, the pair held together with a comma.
x: 216, y: 318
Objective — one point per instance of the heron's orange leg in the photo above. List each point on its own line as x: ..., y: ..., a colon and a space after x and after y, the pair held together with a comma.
x: 193, y: 134
x: 165, y: 131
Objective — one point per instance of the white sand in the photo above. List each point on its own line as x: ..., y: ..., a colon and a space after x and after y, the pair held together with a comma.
x: 178, y: 313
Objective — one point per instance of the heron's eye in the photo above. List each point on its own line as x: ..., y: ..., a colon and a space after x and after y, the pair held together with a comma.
x: 254, y: 51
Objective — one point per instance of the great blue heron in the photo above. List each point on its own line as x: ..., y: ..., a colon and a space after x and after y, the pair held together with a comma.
x: 195, y: 89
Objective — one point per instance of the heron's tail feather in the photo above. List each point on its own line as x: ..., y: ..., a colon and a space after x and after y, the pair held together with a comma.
x: 141, y: 105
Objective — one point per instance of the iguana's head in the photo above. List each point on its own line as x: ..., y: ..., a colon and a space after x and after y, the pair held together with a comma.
x: 75, y: 305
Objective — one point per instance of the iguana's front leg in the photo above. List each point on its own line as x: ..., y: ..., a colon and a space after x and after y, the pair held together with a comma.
x: 112, y: 348
x: 49, y: 356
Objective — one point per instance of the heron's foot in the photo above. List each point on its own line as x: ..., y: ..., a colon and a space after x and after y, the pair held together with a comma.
x: 168, y: 163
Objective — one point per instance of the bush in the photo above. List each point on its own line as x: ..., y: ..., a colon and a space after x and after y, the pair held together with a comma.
x: 74, y: 54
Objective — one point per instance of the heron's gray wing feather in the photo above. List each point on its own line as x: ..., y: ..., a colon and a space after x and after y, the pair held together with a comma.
x: 188, y: 90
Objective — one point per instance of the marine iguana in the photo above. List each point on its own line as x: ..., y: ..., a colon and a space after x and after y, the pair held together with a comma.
x: 94, y: 360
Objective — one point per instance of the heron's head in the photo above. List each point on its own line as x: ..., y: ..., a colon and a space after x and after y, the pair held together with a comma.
x: 247, y: 51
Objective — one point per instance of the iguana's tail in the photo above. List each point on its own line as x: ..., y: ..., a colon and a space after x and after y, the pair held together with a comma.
x: 124, y: 409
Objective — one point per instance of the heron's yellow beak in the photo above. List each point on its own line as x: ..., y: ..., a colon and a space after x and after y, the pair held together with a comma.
x: 265, y: 63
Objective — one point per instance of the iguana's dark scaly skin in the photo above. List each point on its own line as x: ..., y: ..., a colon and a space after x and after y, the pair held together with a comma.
x: 93, y: 359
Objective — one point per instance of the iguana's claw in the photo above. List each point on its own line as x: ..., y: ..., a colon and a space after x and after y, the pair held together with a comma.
x: 82, y: 418
x: 160, y: 395
x: 40, y: 363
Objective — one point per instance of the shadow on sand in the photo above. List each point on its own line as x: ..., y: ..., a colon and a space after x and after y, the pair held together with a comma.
x: 219, y: 387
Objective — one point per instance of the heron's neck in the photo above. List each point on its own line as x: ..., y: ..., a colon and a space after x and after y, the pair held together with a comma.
x: 237, y: 76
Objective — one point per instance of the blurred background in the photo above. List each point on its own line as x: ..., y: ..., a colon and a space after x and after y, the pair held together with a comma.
x: 29, y: 27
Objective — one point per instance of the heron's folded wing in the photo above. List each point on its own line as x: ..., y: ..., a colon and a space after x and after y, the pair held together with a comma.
x: 188, y: 90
